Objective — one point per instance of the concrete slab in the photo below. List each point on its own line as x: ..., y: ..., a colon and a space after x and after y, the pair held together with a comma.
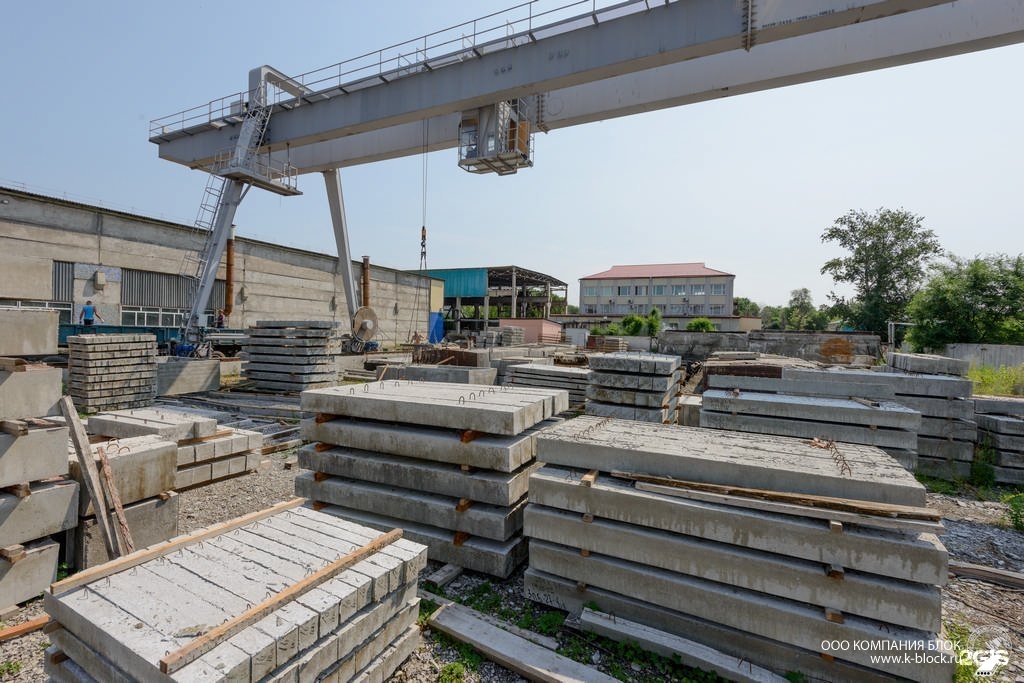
x: 142, y: 467
x: 292, y: 368
x: 898, y: 602
x: 480, y: 519
x: 615, y: 380
x: 794, y: 387
x: 927, y: 364
x: 944, y: 428
x: 722, y: 457
x: 689, y: 410
x: 495, y: 488
x: 632, y: 413
x: 940, y: 386
x: 907, y: 459
x: 40, y: 454
x: 28, y: 332
x: 640, y: 399
x: 1010, y: 475
x: 822, y: 409
x: 176, y: 376
x: 917, y: 557
x: 945, y: 449
x: 477, y: 554
x: 500, y: 453
x: 1004, y: 442
x: 32, y: 393
x: 302, y: 324
x: 999, y: 405
x: 943, y: 469
x: 452, y: 374
x: 1010, y: 459
x: 772, y: 618
x: 51, y: 508
x: 1001, y: 424
x: 637, y: 363
x: 808, y: 429
x: 150, y: 521
x: 168, y: 423
x: 29, y: 576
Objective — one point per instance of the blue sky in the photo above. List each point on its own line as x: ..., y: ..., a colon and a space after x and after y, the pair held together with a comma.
x: 745, y: 184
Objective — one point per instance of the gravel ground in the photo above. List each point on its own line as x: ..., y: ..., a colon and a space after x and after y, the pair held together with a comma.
x: 976, y: 532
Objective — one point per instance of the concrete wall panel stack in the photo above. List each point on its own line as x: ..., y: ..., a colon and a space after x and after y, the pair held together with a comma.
x: 1001, y: 428
x: 503, y: 364
x: 634, y: 386
x: 447, y: 463
x: 358, y: 624
x: 111, y: 371
x: 176, y: 376
x: 510, y: 335
x: 761, y: 579
x: 28, y: 332
x: 290, y: 355
x: 452, y: 374
x: 35, y: 499
x: 608, y: 344
x: 573, y: 380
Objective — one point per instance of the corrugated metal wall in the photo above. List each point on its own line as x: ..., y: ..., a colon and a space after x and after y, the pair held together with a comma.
x: 162, y: 290
x: 63, y: 281
x: 462, y: 282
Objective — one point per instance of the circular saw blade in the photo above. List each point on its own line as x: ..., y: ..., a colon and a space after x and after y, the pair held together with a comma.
x: 364, y: 324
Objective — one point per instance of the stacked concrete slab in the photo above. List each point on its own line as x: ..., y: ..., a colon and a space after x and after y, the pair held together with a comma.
x: 292, y: 355
x: 36, y: 500
x: 176, y: 376
x: 573, y: 380
x: 447, y: 463
x: 509, y: 335
x: 111, y: 371
x: 859, y: 413
x: 610, y: 344
x: 634, y: 386
x: 766, y: 577
x: 453, y: 374
x: 1001, y: 429
x: 503, y: 365
x: 945, y: 442
x: 355, y: 623
x: 203, y: 451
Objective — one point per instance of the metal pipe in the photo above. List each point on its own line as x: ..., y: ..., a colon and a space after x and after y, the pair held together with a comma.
x: 229, y: 274
x: 366, y: 281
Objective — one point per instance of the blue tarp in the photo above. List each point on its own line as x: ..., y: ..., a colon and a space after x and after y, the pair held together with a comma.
x: 436, y: 327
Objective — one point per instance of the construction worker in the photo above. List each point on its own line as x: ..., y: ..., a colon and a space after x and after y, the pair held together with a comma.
x: 88, y: 313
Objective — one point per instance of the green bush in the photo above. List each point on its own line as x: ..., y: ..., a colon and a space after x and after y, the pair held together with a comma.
x: 700, y: 325
x: 1016, y: 511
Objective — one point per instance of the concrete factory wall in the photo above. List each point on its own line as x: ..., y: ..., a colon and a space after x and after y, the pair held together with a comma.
x: 826, y: 347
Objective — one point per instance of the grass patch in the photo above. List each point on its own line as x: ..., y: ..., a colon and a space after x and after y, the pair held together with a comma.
x: 983, y: 474
x: 1015, y: 511
x: 427, y: 608
x: 959, y: 635
x: 9, y: 667
x: 936, y: 485
x: 996, y: 381
x: 453, y: 672
x: 483, y: 598
x: 627, y: 661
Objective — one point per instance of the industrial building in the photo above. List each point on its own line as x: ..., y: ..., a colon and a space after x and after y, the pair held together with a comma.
x: 56, y: 253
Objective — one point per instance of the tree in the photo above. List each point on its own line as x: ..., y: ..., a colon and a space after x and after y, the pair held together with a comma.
x: 654, y: 322
x: 979, y: 301
x: 744, y: 306
x: 773, y: 317
x: 889, y: 252
x: 700, y: 325
x: 633, y: 325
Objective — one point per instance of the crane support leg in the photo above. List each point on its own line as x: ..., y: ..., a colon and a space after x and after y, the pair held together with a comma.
x: 230, y: 198
x: 332, y: 178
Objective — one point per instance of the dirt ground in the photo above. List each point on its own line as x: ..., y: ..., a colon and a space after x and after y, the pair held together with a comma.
x: 976, y: 532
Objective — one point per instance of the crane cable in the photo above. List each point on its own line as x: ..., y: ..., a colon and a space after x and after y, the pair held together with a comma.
x: 424, y: 171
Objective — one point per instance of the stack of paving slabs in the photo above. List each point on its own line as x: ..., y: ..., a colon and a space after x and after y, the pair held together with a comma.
x: 287, y: 594
x: 203, y: 451
x: 850, y: 412
x: 505, y: 364
x: 634, y: 386
x: 608, y: 344
x: 111, y: 371
x: 448, y: 463
x: 764, y: 547
x: 510, y: 335
x: 289, y: 355
x: 945, y: 441
x: 35, y: 498
x: 573, y: 380
x: 1001, y: 429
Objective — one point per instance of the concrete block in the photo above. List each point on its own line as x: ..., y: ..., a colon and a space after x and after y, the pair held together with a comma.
x: 192, y: 475
x: 632, y: 413
x: 177, y: 376
x: 945, y: 449
x: 822, y: 409
x: 144, y: 468
x: 927, y: 364
x: 636, y: 363
x: 150, y: 521
x: 1003, y: 442
x: 452, y: 374
x: 52, y: 507
x: 689, y: 410
x: 40, y: 454
x: 897, y: 602
x: 169, y: 424
x: 907, y: 459
x: 943, y: 469
x: 939, y: 386
x: 999, y: 405
x: 639, y: 399
x: 482, y: 486
x: 475, y: 553
x: 795, y: 387
x: 945, y: 408
x: 1010, y: 459
x: 500, y: 453
x: 722, y: 457
x: 28, y: 332
x: 1001, y: 424
x: 1010, y: 475
x: 918, y: 557
x: 943, y: 428
x: 809, y: 429
x: 29, y: 576
x: 615, y: 380
x: 32, y: 393
x: 480, y: 519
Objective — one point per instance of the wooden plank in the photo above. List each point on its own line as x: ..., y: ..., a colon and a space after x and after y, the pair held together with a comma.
x: 542, y: 640
x: 873, y: 521
x: 12, y: 365
x: 589, y: 478
x: 176, y: 660
x: 123, y: 532
x: 25, y: 628
x: 12, y: 553
x: 976, y: 571
x: 161, y: 549
x: 825, y: 502
x: 14, y: 427
x: 92, y: 480
x: 528, y: 659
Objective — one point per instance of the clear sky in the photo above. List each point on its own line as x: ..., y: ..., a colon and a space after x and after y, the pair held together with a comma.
x: 745, y: 184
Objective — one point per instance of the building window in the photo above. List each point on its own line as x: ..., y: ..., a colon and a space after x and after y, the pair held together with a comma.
x: 63, y: 308
x: 625, y: 290
x: 697, y: 309
x: 590, y: 309
x: 697, y: 290
x: 678, y: 290
x: 677, y: 309
x: 718, y: 290
x: 640, y: 290
x: 590, y: 291
x: 659, y: 290
x: 607, y: 291
x: 717, y: 309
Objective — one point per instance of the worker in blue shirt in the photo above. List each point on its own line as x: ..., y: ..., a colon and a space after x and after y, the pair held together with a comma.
x: 88, y: 313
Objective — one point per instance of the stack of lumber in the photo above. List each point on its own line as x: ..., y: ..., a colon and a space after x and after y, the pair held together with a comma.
x: 504, y: 365
x: 35, y: 498
x: 848, y: 412
x: 945, y: 441
x: 285, y: 594
x: 1001, y: 428
x: 176, y: 376
x: 448, y: 463
x: 607, y: 344
x: 634, y: 386
x: 763, y: 547
x: 292, y: 355
x: 510, y: 335
x: 203, y: 451
x: 573, y: 380
x: 111, y: 371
